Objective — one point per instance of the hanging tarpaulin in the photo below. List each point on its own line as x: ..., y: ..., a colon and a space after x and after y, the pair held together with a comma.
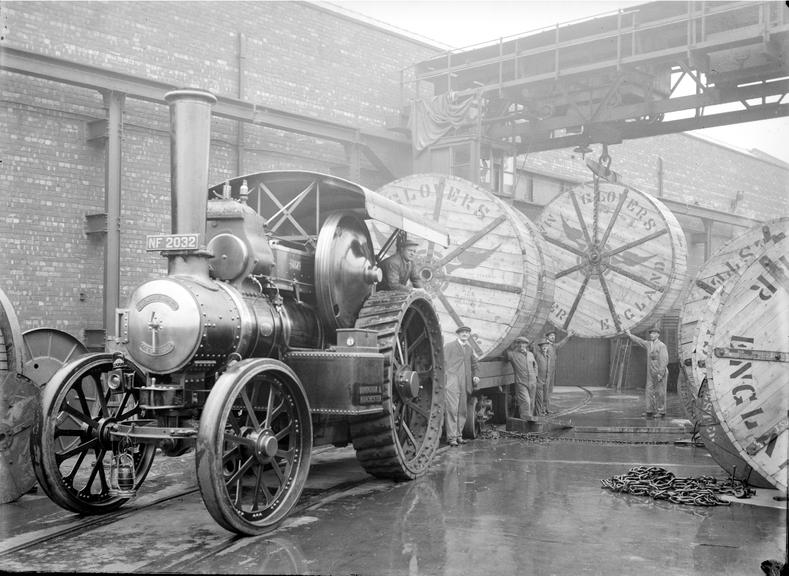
x: 432, y: 118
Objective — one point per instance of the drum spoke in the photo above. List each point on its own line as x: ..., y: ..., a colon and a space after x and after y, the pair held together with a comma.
x: 636, y: 277
x: 610, y: 302
x: 580, y: 215
x: 577, y: 300
x: 570, y: 270
x: 454, y: 253
x: 614, y: 216
x: 484, y: 284
x: 635, y: 243
x: 456, y: 317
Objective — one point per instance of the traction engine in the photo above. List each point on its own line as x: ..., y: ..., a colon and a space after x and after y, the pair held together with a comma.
x: 265, y: 338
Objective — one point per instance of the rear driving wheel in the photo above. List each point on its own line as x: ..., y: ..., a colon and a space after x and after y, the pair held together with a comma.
x: 400, y: 443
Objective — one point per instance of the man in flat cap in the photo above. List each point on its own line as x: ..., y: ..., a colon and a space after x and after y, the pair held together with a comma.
x: 524, y: 369
x: 657, y: 372
x: 398, y: 268
x: 461, y: 379
x: 550, y: 355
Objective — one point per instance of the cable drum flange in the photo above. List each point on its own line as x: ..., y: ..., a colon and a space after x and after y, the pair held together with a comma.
x: 730, y: 261
x: 748, y: 368
x: 495, y: 276
x: 619, y: 256
x: 706, y: 421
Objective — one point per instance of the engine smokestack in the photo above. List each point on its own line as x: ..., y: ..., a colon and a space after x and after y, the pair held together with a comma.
x: 190, y: 142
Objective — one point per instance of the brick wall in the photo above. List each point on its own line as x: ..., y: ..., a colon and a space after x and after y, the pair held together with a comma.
x: 297, y: 57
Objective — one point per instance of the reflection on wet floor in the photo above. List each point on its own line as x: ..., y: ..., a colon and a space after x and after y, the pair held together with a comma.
x: 498, y: 505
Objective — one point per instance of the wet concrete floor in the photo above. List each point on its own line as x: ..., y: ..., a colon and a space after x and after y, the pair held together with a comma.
x: 501, y: 504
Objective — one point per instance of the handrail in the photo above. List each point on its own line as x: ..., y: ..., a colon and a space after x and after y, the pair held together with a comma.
x: 698, y: 15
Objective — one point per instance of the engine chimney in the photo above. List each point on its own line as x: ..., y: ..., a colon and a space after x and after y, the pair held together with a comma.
x: 190, y: 142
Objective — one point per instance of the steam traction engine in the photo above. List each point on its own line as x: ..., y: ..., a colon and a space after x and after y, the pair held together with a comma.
x: 265, y: 338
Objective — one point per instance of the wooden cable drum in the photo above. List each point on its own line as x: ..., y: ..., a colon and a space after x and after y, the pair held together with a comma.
x: 728, y: 262
x: 707, y: 422
x: 493, y: 277
x: 619, y: 257
x: 748, y: 369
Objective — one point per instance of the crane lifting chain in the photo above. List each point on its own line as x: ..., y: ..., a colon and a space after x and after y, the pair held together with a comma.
x: 660, y: 484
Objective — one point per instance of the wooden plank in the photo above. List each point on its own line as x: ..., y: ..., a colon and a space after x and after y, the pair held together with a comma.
x: 494, y: 276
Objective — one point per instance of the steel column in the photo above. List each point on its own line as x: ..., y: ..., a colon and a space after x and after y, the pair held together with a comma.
x: 113, y: 102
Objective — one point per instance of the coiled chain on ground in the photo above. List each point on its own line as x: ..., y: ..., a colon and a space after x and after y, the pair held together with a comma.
x: 660, y: 484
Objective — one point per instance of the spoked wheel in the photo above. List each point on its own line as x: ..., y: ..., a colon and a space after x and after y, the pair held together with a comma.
x: 254, y: 446
x: 71, y: 445
x: 400, y: 443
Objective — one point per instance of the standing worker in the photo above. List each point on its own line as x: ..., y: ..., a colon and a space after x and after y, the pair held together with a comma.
x: 551, y: 353
x: 541, y: 358
x: 461, y: 372
x: 398, y: 268
x: 657, y: 372
x: 524, y: 368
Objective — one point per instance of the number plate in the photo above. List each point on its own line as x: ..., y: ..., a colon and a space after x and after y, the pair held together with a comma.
x: 166, y: 242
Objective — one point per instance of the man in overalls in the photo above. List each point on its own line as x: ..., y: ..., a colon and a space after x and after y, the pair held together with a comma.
x: 657, y: 372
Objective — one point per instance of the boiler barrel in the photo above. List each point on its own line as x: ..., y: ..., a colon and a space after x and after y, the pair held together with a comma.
x: 619, y: 258
x: 493, y: 277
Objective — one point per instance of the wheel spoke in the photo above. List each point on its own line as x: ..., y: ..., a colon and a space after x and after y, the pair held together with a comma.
x: 82, y: 400
x: 236, y: 477
x: 269, y: 407
x: 239, y: 440
x: 416, y: 342
x: 101, y: 395
x: 250, y: 409
x: 76, y: 467
x: 98, y: 466
x: 404, y: 427
x: 133, y: 410
x: 417, y: 408
x: 122, y: 404
x: 76, y: 415
x: 258, y: 484
x: 60, y: 457
x: 284, y: 432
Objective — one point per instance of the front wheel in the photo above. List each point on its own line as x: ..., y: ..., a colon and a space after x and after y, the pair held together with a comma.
x: 72, y: 446
x: 254, y: 446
